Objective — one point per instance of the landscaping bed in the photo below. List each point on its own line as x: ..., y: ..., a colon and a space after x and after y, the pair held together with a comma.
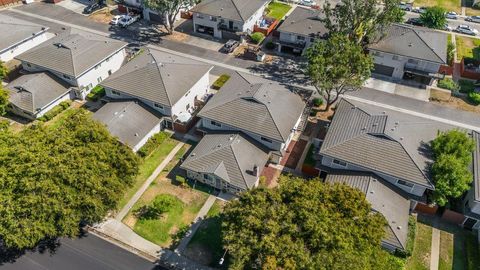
x: 97, y: 93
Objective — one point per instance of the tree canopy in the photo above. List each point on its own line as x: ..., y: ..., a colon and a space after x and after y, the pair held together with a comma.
x: 304, y: 225
x: 53, y: 178
x: 333, y: 73
x: 434, y: 17
x: 452, y: 152
x: 4, y: 101
x: 361, y: 20
x: 169, y: 9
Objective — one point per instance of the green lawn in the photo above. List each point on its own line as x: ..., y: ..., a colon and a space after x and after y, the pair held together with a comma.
x: 448, y: 5
x: 420, y: 259
x: 446, y: 251
x: 147, y: 167
x: 277, y: 10
x: 467, y: 47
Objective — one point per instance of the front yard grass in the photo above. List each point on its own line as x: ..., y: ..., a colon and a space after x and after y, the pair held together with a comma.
x: 467, y: 47
x: 448, y: 5
x: 148, y: 165
x: 420, y: 259
x: 277, y: 10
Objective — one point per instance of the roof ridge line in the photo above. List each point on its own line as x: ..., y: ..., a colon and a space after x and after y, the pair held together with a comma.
x: 236, y: 161
x: 238, y: 10
x: 161, y: 78
x: 431, y: 49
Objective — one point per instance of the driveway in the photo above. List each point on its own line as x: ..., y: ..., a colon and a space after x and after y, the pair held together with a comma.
x: 76, y: 6
x: 398, y: 89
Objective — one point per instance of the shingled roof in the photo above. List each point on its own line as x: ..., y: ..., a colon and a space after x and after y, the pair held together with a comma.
x: 255, y: 105
x: 384, y: 199
x: 156, y: 78
x: 238, y: 10
x: 18, y: 31
x: 382, y: 140
x: 232, y: 157
x: 71, y: 54
x: 33, y: 92
x: 304, y: 21
x: 416, y: 42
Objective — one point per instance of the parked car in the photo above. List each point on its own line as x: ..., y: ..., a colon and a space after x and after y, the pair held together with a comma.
x: 448, y: 27
x: 230, y: 46
x: 307, y: 3
x: 91, y: 8
x: 405, y: 6
x: 419, y: 9
x: 128, y: 19
x: 451, y: 15
x: 465, y: 29
x: 415, y: 21
x: 475, y: 19
x: 116, y: 19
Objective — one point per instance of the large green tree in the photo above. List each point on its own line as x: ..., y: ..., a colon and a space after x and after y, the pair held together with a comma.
x: 304, y: 225
x: 336, y: 66
x: 452, y: 153
x: 434, y: 17
x: 4, y: 101
x: 53, y: 178
x: 361, y: 20
x: 169, y: 9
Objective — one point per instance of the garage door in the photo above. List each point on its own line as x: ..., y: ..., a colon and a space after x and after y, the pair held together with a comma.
x: 155, y: 17
x: 383, y: 70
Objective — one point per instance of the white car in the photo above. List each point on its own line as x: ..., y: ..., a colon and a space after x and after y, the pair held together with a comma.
x: 307, y: 3
x: 419, y: 9
x: 405, y: 6
x: 475, y: 19
x: 448, y: 28
x: 451, y: 15
x: 465, y: 29
x: 127, y: 20
x: 116, y: 19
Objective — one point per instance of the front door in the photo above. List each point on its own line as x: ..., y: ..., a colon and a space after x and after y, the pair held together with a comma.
x: 230, y: 24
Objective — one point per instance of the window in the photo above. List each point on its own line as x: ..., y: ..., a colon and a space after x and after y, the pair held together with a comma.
x: 339, y: 163
x: 300, y: 38
x: 158, y: 106
x: 404, y: 183
x: 266, y: 139
x: 109, y: 72
x: 187, y: 107
x: 199, y: 16
x: 90, y: 86
x: 215, y: 124
x: 28, y: 65
x: 413, y: 61
x: 99, y: 79
x: 213, y: 19
x: 115, y: 92
x: 66, y: 77
x: 205, y: 176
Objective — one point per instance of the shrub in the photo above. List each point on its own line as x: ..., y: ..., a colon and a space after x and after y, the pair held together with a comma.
x: 317, y: 102
x: 159, y: 206
x: 466, y: 86
x: 476, y: 5
x: 55, y: 111
x: 152, y: 143
x: 449, y: 84
x: 4, y: 124
x: 474, y: 98
x: 96, y: 93
x: 181, y: 180
x: 450, y: 52
x: 270, y: 45
x: 220, y: 81
x: 257, y: 37
x: 3, y: 70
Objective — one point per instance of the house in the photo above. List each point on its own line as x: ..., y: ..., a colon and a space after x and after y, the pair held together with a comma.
x: 32, y: 95
x: 472, y: 198
x: 384, y: 199
x: 226, y: 18
x: 263, y: 110
x: 226, y: 161
x: 130, y: 121
x: 411, y: 53
x: 81, y: 60
x: 166, y: 84
x: 21, y: 37
x: 300, y: 29
x: 390, y: 144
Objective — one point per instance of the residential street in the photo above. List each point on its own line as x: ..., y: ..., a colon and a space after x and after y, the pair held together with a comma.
x: 89, y: 252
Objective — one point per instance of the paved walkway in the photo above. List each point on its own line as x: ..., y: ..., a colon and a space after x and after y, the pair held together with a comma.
x: 147, y: 183
x: 196, y: 224
x: 435, y: 251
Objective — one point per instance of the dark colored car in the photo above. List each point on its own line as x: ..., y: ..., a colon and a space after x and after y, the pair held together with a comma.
x: 415, y: 21
x: 230, y: 46
x: 91, y: 8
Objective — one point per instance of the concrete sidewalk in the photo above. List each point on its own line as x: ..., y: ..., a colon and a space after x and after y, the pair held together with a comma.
x: 435, y: 251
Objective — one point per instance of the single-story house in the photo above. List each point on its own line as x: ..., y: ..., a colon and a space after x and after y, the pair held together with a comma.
x: 300, y: 29
x: 226, y: 161
x: 411, y: 53
x: 82, y: 60
x: 391, y: 144
x: 165, y: 84
x: 19, y: 36
x: 264, y: 110
x: 32, y: 95
x: 226, y: 18
x: 130, y: 121
x: 472, y: 199
x: 384, y: 199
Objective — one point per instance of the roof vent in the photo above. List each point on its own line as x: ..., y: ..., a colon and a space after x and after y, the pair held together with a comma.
x: 396, y: 123
x: 401, y: 138
x: 192, y: 155
x: 399, y: 227
x: 371, y: 191
x: 410, y: 44
x: 136, y: 134
x: 231, y: 137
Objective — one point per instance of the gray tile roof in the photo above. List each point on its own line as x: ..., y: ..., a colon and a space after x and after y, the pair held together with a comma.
x: 382, y: 140
x: 72, y: 54
x: 415, y: 42
x: 385, y: 199
x: 476, y: 166
x: 238, y: 10
x: 18, y: 31
x: 231, y: 157
x: 156, y: 78
x: 33, y: 92
x: 130, y: 121
x: 304, y: 21
x: 256, y: 105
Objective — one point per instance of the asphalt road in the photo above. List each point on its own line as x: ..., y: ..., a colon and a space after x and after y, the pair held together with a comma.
x: 86, y: 253
x: 451, y: 23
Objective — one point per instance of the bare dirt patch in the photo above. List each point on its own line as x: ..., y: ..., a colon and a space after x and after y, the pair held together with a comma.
x: 177, y: 36
x: 102, y: 16
x: 446, y: 99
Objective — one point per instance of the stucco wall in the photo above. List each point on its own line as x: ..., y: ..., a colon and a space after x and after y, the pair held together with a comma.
x: 198, y: 90
x: 214, y: 181
x: 398, y: 62
x: 16, y: 49
x: 152, y: 132
x: 165, y: 111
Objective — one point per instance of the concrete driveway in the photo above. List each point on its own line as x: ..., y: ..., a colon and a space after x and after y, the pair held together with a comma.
x: 398, y: 89
x: 76, y: 6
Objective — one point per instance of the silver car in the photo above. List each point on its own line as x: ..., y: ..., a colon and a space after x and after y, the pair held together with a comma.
x: 467, y: 30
